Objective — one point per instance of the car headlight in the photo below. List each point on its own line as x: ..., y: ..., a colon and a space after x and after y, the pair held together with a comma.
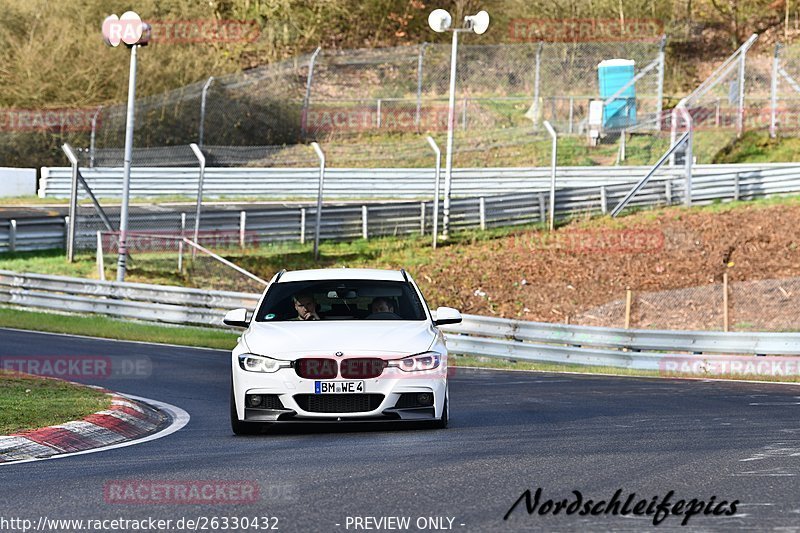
x: 418, y: 363
x: 259, y: 363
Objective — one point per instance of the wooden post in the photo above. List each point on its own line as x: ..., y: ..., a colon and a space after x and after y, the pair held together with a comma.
x: 725, y: 322
x: 628, y: 298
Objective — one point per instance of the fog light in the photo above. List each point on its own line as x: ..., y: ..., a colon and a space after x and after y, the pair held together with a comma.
x: 253, y: 400
x: 425, y: 398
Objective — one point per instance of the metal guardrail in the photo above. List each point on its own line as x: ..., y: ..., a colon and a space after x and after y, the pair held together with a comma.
x: 340, y: 183
x: 141, y: 301
x: 476, y: 335
x: 593, y: 195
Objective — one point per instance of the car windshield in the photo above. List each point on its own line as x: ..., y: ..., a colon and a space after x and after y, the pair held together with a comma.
x: 341, y: 300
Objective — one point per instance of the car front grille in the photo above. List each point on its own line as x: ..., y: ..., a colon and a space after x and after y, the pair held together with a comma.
x: 338, y: 403
x: 316, y: 368
x: 362, y: 367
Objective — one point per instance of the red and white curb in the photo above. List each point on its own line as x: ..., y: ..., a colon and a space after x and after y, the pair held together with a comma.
x: 129, y: 420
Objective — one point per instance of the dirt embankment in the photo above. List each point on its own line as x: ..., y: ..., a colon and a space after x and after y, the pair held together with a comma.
x: 586, y: 265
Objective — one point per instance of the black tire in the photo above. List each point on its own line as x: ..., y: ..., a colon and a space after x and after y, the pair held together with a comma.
x: 239, y: 427
x: 442, y: 422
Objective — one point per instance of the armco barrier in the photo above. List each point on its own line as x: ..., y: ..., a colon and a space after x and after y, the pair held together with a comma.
x: 476, y: 335
x: 586, y: 195
x: 341, y: 183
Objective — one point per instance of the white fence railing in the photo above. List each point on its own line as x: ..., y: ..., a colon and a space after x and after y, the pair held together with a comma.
x: 476, y: 335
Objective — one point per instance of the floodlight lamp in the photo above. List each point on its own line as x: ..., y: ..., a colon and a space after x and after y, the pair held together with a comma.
x: 439, y: 20
x: 478, y: 23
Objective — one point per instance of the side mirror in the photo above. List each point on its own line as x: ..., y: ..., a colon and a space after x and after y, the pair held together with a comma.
x: 237, y: 318
x: 447, y: 315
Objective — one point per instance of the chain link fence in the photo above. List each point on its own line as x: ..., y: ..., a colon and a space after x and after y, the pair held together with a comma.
x: 392, y: 97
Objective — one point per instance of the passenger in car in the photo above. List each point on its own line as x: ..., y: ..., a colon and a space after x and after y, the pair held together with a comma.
x: 305, y: 306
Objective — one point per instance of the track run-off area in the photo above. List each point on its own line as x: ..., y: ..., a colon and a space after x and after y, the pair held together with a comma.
x: 575, y: 437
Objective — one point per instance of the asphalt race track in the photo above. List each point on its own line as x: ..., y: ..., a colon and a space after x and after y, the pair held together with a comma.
x: 510, y: 431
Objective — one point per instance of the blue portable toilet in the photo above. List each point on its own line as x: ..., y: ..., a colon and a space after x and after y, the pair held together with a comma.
x: 612, y: 75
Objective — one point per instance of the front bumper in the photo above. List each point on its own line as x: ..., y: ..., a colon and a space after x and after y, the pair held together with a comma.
x: 302, y: 404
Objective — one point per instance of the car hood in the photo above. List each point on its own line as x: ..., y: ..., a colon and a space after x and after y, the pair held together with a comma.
x: 293, y: 339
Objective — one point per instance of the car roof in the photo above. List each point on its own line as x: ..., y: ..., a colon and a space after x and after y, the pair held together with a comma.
x: 342, y: 273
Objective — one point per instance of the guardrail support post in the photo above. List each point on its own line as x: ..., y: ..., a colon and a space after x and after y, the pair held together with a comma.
x: 482, y: 212
x: 736, y: 190
x: 364, y: 227
x: 302, y: 225
x: 201, y: 178
x: 12, y: 235
x: 318, y: 222
x: 203, y: 98
x: 101, y: 269
x: 422, y: 218
x: 180, y: 244
x: 242, y: 228
x: 668, y: 191
x: 437, y: 173
x: 688, y: 156
x: 66, y: 230
x: 553, y: 158
x: 603, y: 200
x: 73, y: 203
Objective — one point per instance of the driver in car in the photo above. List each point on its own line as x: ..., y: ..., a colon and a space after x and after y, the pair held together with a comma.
x: 381, y: 305
x: 305, y: 306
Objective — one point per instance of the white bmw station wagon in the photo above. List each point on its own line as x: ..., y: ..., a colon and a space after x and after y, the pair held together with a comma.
x: 340, y: 345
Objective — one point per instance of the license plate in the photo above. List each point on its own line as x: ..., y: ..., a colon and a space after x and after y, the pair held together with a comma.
x: 338, y: 387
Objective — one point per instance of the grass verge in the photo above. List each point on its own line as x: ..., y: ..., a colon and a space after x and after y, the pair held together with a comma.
x: 110, y: 328
x: 31, y: 402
